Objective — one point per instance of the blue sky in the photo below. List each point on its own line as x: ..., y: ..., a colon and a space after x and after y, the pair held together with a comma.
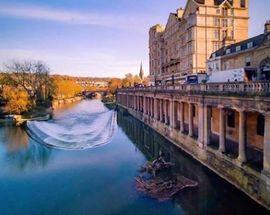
x: 91, y: 37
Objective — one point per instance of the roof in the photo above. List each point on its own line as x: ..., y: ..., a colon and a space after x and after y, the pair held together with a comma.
x: 256, y: 41
x: 216, y: 2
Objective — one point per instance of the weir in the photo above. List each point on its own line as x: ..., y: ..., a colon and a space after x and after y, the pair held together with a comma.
x: 224, y: 126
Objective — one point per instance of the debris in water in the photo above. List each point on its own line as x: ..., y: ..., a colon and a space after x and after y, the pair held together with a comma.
x: 158, y: 186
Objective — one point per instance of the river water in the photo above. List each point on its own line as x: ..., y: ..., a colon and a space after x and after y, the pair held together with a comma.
x: 84, y: 161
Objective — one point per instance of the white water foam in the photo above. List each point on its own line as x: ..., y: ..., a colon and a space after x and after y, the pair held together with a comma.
x: 76, y: 129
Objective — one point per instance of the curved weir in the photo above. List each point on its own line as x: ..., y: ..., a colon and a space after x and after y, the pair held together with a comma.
x: 76, y: 130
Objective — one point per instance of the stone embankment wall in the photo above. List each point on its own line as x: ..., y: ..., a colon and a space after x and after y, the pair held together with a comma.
x: 59, y: 102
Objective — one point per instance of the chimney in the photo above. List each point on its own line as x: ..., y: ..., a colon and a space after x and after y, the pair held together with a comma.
x: 267, y: 27
x: 180, y: 12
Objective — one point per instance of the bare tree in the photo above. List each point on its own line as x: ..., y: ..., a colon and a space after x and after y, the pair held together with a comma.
x: 32, y: 76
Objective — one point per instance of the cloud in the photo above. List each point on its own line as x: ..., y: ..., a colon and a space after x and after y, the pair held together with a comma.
x: 98, y: 64
x: 105, y: 19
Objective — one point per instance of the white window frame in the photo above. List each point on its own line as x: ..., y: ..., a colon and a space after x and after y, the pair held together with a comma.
x: 250, y: 45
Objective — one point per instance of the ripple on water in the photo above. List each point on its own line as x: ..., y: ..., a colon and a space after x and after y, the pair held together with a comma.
x: 76, y: 131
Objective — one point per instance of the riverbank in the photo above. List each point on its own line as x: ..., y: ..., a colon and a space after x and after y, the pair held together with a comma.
x: 39, y: 113
x: 60, y: 102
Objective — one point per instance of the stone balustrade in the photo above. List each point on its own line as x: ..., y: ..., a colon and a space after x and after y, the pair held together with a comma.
x: 238, y: 89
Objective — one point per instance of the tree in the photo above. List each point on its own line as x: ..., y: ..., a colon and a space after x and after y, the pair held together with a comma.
x: 128, y: 81
x: 16, y: 99
x: 66, y: 87
x: 31, y: 76
x: 137, y: 79
x: 114, y: 84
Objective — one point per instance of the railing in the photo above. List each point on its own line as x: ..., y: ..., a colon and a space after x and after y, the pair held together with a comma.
x: 260, y: 88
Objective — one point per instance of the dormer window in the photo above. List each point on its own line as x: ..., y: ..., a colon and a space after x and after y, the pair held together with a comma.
x: 238, y: 48
x: 250, y: 45
x: 228, y: 51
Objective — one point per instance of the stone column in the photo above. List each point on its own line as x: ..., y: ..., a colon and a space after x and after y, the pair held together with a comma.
x: 160, y: 110
x: 150, y: 112
x: 207, y: 125
x: 201, y: 125
x: 190, y: 120
x: 182, y: 114
x: 144, y: 105
x: 266, y: 145
x: 222, y: 129
x: 242, y: 137
x: 155, y: 109
x: 165, y: 111
x: 172, y: 113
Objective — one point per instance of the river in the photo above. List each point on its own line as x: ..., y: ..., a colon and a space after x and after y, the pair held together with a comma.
x: 84, y: 161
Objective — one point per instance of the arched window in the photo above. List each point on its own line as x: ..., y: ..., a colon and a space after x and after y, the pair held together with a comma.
x: 260, y: 125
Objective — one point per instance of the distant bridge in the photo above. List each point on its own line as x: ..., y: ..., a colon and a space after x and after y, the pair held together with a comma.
x: 94, y: 93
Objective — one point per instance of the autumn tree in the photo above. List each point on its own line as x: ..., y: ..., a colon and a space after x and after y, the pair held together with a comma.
x: 16, y: 100
x: 66, y: 87
x: 31, y: 76
x: 114, y: 84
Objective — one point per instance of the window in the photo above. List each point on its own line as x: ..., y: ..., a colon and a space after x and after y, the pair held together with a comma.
x: 243, y: 3
x: 260, y: 125
x: 216, y: 21
x: 216, y: 34
x: 225, y: 23
x: 218, y: 11
x: 250, y: 45
x: 238, y: 48
x: 248, y: 61
x: 231, y: 119
x: 224, y: 11
x: 228, y: 51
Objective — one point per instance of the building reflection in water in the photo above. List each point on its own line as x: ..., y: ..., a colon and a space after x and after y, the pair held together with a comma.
x: 20, y: 150
x: 213, y: 196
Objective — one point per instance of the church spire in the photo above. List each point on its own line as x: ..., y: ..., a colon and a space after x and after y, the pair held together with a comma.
x: 141, y: 72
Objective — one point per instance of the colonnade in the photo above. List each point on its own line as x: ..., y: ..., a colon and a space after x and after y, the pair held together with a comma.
x: 172, y: 113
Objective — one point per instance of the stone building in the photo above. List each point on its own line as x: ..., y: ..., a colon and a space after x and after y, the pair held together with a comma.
x: 252, y: 54
x: 192, y: 34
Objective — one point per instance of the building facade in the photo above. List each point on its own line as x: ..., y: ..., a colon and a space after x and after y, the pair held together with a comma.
x: 191, y: 34
x: 253, y: 55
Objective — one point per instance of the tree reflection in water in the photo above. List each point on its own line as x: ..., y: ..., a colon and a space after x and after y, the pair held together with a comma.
x: 20, y: 150
x: 213, y: 196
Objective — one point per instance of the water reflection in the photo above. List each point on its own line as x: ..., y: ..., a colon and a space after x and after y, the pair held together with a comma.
x: 16, y: 149
x: 213, y: 196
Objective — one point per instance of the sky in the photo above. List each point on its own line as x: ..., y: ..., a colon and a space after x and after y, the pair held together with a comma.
x: 101, y: 38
